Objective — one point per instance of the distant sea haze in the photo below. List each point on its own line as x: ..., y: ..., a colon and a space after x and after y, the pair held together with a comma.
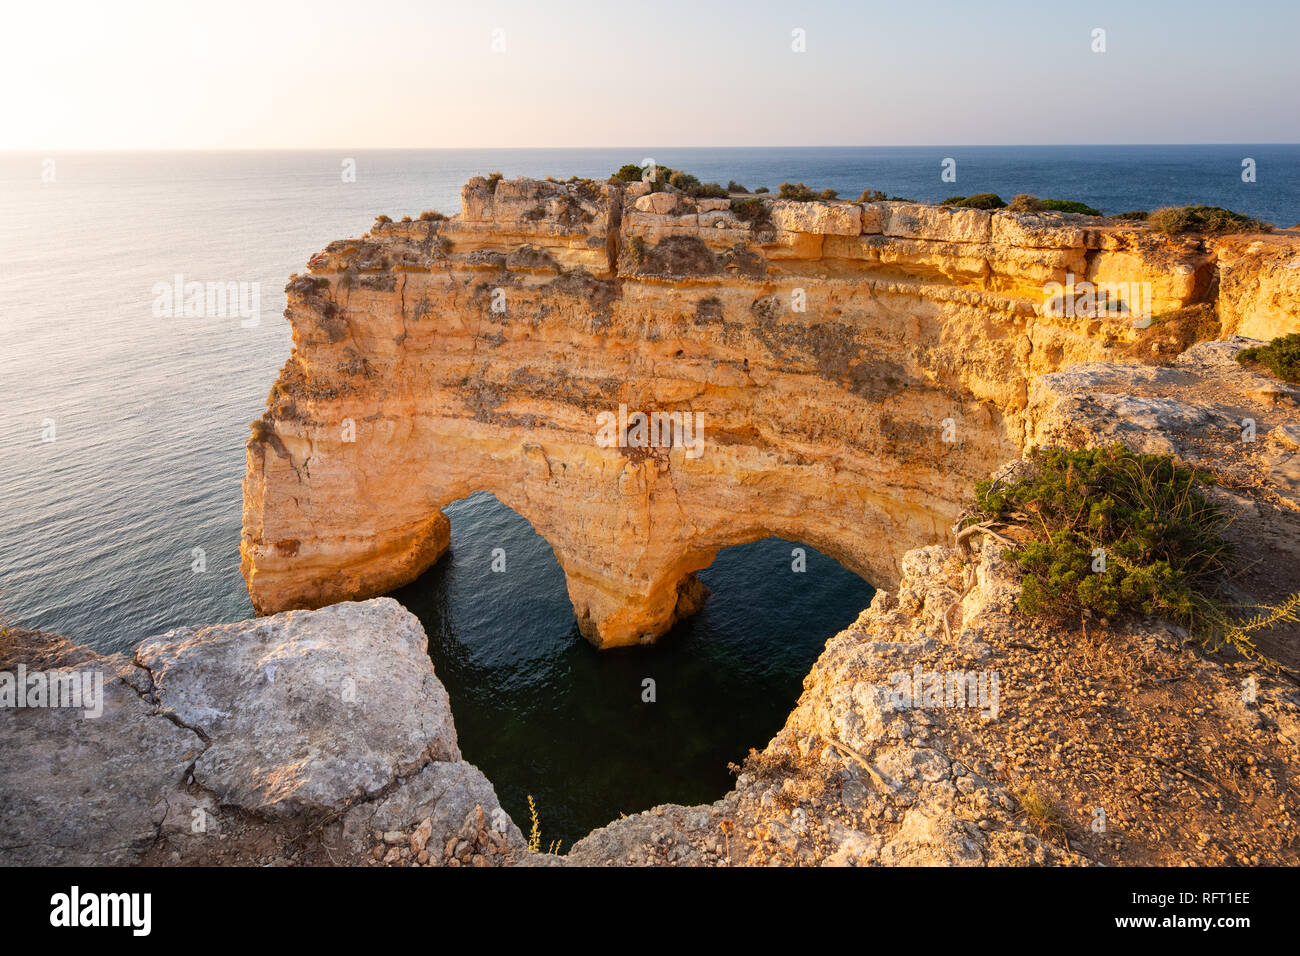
x: 126, y: 414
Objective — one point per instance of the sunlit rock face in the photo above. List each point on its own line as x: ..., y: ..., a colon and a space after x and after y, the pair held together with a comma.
x: 852, y: 370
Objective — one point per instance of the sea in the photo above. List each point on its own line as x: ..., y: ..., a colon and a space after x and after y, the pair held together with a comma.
x: 123, y: 428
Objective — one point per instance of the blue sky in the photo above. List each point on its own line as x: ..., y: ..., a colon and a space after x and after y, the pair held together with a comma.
x: 148, y: 75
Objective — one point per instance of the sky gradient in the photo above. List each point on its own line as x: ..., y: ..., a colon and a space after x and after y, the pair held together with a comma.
x: 333, y: 74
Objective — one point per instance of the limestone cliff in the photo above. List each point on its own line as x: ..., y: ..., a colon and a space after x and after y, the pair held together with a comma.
x: 856, y: 366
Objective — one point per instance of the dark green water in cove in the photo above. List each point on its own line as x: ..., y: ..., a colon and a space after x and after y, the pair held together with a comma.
x: 542, y: 712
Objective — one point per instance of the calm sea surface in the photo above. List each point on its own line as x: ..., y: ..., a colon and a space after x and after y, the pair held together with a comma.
x: 149, y: 417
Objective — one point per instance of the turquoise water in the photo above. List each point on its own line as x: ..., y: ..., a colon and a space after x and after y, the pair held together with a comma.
x: 150, y: 416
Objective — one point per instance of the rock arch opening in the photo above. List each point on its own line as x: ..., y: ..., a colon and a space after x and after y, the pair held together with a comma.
x: 543, y: 713
x: 859, y: 366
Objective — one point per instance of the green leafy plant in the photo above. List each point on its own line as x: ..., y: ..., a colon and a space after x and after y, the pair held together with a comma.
x: 1281, y: 357
x: 1115, y: 532
x: 796, y: 191
x: 1158, y: 538
x: 696, y: 189
x: 628, y: 173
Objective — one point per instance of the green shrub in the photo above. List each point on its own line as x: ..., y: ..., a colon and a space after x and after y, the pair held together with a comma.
x: 1281, y: 357
x: 492, y: 180
x: 796, y: 191
x: 735, y: 187
x: 801, y: 193
x: 1135, y: 215
x: 1024, y: 202
x: 707, y: 191
x: 380, y: 219
x: 1067, y: 205
x: 761, y: 189
x: 978, y: 201
x: 1162, y: 542
x: 431, y: 215
x: 871, y: 195
x: 1208, y: 220
x: 683, y: 181
x: 1112, y: 532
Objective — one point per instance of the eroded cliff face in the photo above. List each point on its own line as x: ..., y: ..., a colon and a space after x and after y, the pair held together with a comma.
x: 857, y: 368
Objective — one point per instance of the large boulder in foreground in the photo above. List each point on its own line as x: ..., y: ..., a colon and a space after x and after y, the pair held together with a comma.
x: 272, y: 729
x: 305, y: 710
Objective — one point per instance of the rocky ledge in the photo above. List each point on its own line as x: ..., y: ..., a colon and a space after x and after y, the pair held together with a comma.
x: 306, y: 737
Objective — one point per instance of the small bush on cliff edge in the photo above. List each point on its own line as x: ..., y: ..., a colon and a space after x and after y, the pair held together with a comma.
x: 1281, y: 357
x: 1025, y: 202
x: 802, y: 193
x: 1207, y: 220
x: 978, y: 201
x: 1115, y: 532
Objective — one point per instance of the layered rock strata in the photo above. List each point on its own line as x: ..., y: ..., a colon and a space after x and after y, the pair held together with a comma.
x: 853, y: 369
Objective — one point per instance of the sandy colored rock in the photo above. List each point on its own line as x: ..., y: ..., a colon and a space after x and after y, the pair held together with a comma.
x: 852, y: 387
